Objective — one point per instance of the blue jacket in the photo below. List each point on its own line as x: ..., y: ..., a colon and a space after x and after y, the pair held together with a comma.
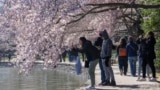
x: 132, y: 49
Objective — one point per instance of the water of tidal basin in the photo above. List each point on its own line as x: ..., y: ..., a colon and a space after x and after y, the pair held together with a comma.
x: 38, y: 80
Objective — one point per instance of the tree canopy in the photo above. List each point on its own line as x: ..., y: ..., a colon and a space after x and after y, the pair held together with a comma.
x: 42, y: 27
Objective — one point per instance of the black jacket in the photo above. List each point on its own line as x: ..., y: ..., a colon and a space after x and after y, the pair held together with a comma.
x: 150, y: 43
x: 146, y: 48
x: 142, y: 47
x: 91, y: 52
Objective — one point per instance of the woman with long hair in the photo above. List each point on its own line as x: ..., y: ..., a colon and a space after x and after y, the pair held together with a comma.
x: 149, y: 55
x: 92, y: 55
x: 122, y: 56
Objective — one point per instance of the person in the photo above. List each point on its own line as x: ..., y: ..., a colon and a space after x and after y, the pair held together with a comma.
x: 74, y: 52
x: 149, y: 55
x: 78, y: 66
x: 71, y: 54
x: 140, y: 41
x: 63, y: 55
x: 122, y: 56
x: 0, y: 57
x: 9, y: 57
x: 132, y: 49
x: 92, y: 56
x: 98, y: 45
x: 106, y: 54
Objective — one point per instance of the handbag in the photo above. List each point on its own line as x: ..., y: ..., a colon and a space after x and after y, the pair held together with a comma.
x: 107, y: 61
x: 86, y: 64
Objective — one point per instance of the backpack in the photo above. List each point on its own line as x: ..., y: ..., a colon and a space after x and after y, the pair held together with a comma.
x: 122, y: 52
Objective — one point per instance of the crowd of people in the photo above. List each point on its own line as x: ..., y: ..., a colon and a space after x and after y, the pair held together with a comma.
x: 129, y: 51
x: 141, y: 50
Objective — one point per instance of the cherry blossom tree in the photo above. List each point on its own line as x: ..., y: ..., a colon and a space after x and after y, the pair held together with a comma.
x: 42, y: 27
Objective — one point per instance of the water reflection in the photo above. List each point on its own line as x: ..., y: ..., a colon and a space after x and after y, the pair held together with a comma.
x: 38, y: 80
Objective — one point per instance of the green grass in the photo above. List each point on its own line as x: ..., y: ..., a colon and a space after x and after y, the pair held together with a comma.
x: 4, y: 58
x: 158, y: 75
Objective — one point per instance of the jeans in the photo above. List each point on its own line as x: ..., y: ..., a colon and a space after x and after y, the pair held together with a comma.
x: 91, y: 71
x: 108, y: 70
x: 123, y: 64
x: 103, y: 77
x: 132, y: 62
x: 140, y: 67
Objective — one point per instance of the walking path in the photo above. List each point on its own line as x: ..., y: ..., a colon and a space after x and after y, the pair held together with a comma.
x: 123, y: 82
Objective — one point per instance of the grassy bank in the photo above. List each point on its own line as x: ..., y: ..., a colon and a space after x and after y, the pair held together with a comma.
x: 158, y: 76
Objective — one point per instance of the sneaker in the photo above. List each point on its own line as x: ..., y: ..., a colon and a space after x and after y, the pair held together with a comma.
x: 153, y: 79
x: 125, y: 74
x: 121, y: 72
x: 149, y: 78
x: 143, y: 79
x: 100, y: 83
x: 113, y: 83
x: 106, y: 83
x: 90, y: 88
x: 134, y: 75
x: 138, y: 79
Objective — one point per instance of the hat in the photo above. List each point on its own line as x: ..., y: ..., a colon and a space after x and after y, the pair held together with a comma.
x: 101, y: 31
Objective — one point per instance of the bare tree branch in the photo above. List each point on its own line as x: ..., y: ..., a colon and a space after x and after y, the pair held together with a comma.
x: 82, y: 16
x: 100, y: 8
x: 104, y: 7
x: 127, y: 15
x: 80, y: 31
x: 126, y: 5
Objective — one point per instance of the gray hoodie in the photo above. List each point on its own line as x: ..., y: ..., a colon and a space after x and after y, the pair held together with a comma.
x: 106, y: 45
